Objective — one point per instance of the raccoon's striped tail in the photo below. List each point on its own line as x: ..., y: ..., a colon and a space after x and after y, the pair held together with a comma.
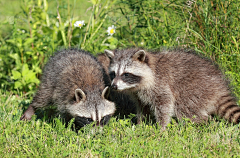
x: 229, y: 109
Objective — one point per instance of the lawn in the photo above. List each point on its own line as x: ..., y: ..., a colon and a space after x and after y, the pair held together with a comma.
x: 120, y: 138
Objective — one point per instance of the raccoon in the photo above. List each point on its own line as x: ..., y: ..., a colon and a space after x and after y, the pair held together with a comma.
x: 125, y: 105
x: 173, y: 83
x: 74, y: 81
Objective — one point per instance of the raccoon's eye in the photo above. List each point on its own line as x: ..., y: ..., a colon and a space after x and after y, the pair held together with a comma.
x: 112, y: 75
x: 126, y: 74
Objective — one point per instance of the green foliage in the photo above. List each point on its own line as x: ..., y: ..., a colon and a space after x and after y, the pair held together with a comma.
x: 25, y: 78
x: 25, y: 51
x: 150, y: 24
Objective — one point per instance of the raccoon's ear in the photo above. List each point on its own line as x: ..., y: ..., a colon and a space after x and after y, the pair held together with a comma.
x: 105, y: 93
x: 139, y: 55
x: 79, y: 95
x: 109, y: 53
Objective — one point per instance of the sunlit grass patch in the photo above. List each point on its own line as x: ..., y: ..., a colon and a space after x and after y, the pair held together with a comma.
x: 118, y: 138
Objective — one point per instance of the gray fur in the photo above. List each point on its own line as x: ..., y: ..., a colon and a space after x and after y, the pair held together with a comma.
x: 174, y: 83
x: 125, y: 105
x: 74, y: 81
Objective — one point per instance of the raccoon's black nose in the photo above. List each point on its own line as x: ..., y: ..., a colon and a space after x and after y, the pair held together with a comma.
x: 114, y: 86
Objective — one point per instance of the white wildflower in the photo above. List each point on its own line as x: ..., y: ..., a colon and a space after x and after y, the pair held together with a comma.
x: 79, y: 24
x: 111, y: 30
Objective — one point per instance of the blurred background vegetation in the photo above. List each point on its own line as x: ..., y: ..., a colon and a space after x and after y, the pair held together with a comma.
x: 32, y: 30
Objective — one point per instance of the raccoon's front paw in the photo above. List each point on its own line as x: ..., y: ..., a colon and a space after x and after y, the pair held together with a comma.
x: 27, y: 114
x: 25, y: 117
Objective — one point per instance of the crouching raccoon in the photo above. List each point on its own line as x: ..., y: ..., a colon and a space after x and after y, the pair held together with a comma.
x: 175, y: 83
x: 74, y: 82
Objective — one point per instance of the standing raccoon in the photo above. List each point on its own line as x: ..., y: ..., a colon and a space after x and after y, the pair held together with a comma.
x: 173, y: 84
x: 74, y: 81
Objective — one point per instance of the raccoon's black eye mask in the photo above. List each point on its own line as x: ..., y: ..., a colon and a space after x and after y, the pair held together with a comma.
x: 130, y: 78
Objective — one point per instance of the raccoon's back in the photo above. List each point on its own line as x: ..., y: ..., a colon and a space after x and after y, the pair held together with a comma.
x: 70, y: 69
x: 187, y: 69
x: 198, y: 85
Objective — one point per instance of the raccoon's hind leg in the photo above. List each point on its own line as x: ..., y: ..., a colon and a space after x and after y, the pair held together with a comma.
x: 40, y: 100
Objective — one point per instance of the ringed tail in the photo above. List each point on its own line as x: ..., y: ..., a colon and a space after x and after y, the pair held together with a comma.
x: 229, y: 109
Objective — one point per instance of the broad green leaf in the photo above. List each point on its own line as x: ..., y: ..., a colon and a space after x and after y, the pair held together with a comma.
x: 25, y: 70
x: 113, y: 40
x: 16, y: 75
x: 47, y: 29
x: 17, y: 84
x: 11, y: 41
x: 14, y: 56
x: 19, y: 42
x: 30, y: 77
x: 28, y: 41
x: 112, y: 46
x: 29, y: 53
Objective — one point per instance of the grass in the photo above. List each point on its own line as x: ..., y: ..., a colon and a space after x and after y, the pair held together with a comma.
x: 44, y: 138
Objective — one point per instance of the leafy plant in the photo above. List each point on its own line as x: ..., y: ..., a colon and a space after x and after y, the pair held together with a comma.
x: 25, y: 52
x: 24, y: 78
